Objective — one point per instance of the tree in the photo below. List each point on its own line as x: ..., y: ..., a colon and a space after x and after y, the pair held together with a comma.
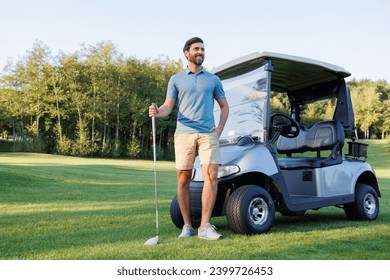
x: 27, y: 81
x: 100, y: 62
x: 318, y: 111
x: 366, y: 103
x: 383, y: 124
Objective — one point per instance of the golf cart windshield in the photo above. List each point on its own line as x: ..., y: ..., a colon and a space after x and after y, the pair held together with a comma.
x: 247, y: 97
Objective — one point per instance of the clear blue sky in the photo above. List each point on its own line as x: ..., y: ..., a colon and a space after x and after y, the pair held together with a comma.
x: 354, y: 34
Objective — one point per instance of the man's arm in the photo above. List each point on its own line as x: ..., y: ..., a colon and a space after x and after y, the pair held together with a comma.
x: 164, y: 110
x: 223, y: 104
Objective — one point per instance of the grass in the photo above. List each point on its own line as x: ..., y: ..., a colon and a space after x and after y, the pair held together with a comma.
x: 56, y: 207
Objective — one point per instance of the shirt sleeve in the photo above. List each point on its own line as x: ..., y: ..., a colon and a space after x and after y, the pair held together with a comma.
x: 218, y: 92
x: 171, y: 89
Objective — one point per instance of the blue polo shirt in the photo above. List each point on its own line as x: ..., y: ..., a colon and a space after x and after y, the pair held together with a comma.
x: 194, y: 94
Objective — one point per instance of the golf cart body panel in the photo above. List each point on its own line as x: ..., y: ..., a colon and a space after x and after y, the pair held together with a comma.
x: 297, y: 168
x: 246, y: 157
x: 335, y: 180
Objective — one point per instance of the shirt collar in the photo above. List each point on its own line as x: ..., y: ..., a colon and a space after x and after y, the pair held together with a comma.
x: 188, y: 71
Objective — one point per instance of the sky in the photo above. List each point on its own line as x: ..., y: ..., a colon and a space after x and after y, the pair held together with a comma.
x: 354, y: 34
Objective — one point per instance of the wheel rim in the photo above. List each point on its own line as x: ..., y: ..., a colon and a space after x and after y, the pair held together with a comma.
x: 369, y: 204
x: 258, y: 211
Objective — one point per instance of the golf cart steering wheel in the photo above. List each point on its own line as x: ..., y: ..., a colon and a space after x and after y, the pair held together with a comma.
x: 285, y: 125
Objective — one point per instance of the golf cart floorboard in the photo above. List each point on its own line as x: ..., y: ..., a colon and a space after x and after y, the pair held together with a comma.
x: 314, y: 202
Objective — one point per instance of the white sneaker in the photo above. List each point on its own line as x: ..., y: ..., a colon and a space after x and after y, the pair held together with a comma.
x: 209, y: 232
x: 187, y: 231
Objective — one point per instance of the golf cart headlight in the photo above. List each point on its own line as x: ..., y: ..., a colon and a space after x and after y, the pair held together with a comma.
x: 226, y: 170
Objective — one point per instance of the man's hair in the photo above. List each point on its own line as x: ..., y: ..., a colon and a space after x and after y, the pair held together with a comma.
x: 191, y: 41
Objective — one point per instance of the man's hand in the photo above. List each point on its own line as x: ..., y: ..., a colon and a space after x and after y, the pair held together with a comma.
x: 153, y: 110
x: 218, y: 131
x: 222, y: 102
x: 162, y: 111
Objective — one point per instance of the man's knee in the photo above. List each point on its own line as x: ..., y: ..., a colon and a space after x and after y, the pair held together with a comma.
x: 184, y: 177
x: 210, y: 172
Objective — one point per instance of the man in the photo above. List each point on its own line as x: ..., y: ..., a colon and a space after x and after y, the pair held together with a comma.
x: 194, y: 91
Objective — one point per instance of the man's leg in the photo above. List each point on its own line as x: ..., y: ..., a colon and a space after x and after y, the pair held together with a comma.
x: 209, y: 193
x: 183, y: 194
x: 210, y: 159
x: 185, y: 149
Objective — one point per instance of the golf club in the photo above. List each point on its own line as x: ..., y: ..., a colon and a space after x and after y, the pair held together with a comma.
x: 154, y: 240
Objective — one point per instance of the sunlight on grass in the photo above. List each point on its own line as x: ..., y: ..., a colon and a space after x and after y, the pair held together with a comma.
x: 34, y: 159
x: 35, y: 208
x: 383, y: 173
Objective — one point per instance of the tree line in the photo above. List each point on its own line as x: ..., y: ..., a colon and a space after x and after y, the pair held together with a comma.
x: 94, y: 102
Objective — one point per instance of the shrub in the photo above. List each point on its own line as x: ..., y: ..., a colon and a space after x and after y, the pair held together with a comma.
x: 134, y: 149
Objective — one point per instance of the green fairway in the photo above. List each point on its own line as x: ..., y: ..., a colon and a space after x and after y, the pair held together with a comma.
x: 56, y: 207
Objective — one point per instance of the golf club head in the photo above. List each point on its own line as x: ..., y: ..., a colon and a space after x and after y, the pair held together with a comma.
x: 152, y: 241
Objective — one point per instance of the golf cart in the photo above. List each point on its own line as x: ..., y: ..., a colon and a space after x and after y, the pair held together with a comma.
x: 271, y: 161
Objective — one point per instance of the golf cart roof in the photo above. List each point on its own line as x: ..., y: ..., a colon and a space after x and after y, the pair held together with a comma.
x: 289, y: 74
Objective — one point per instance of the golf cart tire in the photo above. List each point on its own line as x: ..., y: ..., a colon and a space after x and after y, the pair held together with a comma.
x: 250, y: 210
x: 177, y: 218
x: 366, y: 205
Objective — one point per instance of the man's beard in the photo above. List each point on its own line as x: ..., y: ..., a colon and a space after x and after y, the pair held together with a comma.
x: 197, y: 59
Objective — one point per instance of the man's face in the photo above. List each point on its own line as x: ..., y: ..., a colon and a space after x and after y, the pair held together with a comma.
x: 196, y: 53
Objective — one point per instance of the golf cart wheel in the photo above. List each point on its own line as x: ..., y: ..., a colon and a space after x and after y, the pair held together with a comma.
x: 366, y: 205
x: 250, y: 210
x: 177, y: 218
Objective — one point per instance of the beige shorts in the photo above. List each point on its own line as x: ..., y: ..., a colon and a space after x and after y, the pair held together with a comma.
x: 187, y: 146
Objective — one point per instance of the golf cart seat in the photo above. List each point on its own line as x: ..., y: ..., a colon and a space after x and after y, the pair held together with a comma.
x: 322, y: 136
